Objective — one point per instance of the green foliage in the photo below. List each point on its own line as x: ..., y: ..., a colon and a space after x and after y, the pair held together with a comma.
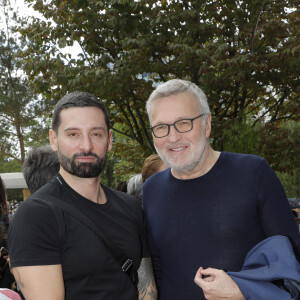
x: 125, y: 159
x: 20, y: 111
x: 242, y: 138
x: 291, y: 183
x: 244, y: 54
x: 280, y: 146
x: 129, y: 157
x: 8, y: 166
x: 283, y: 146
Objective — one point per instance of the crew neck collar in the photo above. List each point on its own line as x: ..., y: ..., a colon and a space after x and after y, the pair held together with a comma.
x: 204, y: 176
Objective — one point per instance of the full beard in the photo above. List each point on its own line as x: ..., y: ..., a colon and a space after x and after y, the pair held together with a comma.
x: 82, y: 170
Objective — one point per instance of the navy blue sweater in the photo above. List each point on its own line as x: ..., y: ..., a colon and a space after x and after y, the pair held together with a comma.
x: 213, y: 220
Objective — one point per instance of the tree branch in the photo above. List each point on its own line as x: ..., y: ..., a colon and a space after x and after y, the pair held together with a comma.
x: 255, y: 30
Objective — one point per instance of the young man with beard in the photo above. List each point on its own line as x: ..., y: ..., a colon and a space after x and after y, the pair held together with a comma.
x: 53, y: 255
x: 210, y: 208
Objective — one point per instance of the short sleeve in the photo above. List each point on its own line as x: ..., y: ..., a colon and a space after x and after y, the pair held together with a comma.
x: 34, y: 235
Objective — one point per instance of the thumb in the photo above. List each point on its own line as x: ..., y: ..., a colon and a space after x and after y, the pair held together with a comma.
x: 198, y: 278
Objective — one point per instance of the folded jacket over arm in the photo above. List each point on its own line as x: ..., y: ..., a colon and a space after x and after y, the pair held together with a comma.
x: 271, y: 259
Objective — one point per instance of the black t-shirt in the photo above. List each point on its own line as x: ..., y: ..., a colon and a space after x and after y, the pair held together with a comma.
x: 41, y: 234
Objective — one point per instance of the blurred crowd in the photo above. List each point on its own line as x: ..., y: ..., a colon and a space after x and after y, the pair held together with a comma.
x: 13, y: 205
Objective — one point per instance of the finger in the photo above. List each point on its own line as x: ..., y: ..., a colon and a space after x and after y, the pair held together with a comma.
x: 198, y: 281
x: 198, y: 277
x: 198, y: 274
x: 202, y: 282
x: 209, y: 279
x: 210, y: 272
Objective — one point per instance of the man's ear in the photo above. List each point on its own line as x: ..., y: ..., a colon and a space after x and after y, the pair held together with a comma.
x: 109, y: 145
x: 53, y: 139
x: 208, y: 126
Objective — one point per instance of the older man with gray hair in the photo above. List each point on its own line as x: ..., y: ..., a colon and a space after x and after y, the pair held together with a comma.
x: 210, y: 208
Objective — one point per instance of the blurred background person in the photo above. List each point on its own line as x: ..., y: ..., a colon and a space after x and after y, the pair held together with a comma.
x: 135, y: 186
x: 152, y: 164
x: 4, y: 207
x: 7, y: 280
x: 122, y: 186
x: 39, y: 167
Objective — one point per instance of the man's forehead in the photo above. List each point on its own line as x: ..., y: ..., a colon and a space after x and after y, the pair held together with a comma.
x: 178, y: 103
x: 183, y: 98
x: 74, y: 109
x: 86, y: 115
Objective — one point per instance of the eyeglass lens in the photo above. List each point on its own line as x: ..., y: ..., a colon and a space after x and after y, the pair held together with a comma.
x: 180, y: 126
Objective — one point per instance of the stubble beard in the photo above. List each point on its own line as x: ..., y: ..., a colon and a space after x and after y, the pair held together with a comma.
x: 193, y: 161
x: 82, y: 170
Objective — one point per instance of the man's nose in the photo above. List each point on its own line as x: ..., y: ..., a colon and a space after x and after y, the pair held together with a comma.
x: 174, y: 135
x: 86, y: 143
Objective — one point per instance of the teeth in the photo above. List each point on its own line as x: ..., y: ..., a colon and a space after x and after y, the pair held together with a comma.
x: 178, y: 149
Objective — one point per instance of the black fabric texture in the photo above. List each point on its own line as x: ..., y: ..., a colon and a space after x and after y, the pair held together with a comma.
x: 43, y: 235
x: 124, y: 261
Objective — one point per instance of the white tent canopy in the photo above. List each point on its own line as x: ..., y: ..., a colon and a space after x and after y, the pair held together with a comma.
x: 13, y: 180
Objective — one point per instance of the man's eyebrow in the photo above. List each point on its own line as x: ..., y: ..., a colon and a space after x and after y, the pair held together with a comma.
x: 71, y: 128
x: 178, y: 119
x: 99, y: 128
x: 76, y: 128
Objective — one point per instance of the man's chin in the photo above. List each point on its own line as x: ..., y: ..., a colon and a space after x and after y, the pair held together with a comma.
x: 183, y: 168
x: 84, y: 172
x: 87, y: 173
x: 175, y: 163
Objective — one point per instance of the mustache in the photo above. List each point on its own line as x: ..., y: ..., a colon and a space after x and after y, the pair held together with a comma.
x: 86, y: 154
x: 176, y: 145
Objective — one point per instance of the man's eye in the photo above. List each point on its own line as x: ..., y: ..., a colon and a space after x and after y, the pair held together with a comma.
x: 159, y: 128
x: 97, y: 134
x: 72, y: 134
x: 183, y: 122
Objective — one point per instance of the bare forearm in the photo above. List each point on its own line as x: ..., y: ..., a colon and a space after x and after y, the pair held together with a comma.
x: 40, y: 282
x: 146, y: 287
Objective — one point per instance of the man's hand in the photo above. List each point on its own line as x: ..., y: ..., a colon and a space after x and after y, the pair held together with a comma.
x: 217, y: 285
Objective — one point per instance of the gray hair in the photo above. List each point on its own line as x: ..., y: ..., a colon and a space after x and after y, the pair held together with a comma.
x: 175, y: 87
x: 135, y: 186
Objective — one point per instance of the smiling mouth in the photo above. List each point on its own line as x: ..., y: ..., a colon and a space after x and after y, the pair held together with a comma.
x: 177, y: 149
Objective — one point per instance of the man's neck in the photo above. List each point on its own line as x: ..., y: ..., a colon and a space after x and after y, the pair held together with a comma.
x: 208, y: 160
x: 89, y: 188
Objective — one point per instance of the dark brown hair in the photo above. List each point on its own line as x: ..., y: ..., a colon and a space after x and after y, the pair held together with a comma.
x: 77, y: 99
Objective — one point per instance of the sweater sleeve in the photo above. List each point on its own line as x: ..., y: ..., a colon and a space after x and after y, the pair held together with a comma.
x: 275, y: 213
